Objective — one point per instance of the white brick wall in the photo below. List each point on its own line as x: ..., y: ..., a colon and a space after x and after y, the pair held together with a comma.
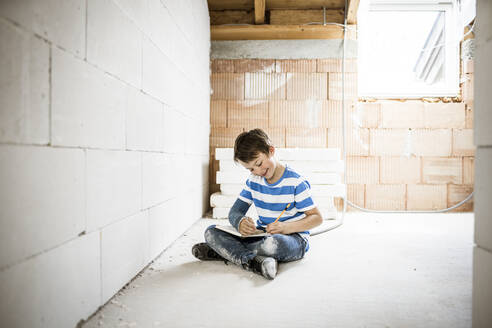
x: 482, y: 255
x: 159, y: 171
x: 24, y: 95
x: 144, y: 122
x: 42, y: 199
x: 54, y: 289
x: 159, y: 17
x: 88, y: 105
x: 114, y: 186
x: 124, y: 252
x: 161, y: 78
x: 104, y: 132
x: 174, y: 134
x: 483, y: 79
x: 110, y: 32
x: 163, y: 229
x: 62, y: 22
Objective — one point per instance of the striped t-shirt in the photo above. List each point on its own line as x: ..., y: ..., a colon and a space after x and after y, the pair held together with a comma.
x: 271, y: 199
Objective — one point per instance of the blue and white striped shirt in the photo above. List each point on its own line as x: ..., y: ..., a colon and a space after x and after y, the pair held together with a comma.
x: 271, y: 199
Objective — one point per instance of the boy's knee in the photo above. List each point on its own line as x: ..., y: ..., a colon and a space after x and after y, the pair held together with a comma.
x: 209, y: 233
x: 270, y: 246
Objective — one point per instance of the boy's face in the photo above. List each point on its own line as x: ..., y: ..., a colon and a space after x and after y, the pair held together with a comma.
x: 263, y: 165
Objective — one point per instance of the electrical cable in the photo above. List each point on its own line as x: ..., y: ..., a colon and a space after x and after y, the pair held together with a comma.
x: 310, y: 23
x: 467, y: 198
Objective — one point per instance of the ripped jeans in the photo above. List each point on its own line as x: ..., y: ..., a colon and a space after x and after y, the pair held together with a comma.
x: 284, y: 248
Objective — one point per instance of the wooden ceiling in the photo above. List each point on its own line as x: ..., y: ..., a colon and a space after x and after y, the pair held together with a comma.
x: 280, y: 19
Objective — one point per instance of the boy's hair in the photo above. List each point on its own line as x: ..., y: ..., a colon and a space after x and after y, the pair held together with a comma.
x: 249, y: 144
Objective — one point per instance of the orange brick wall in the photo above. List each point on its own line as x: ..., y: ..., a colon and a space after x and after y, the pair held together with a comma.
x: 401, y: 154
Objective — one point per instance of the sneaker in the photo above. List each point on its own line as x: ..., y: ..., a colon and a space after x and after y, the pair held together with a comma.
x: 205, y: 253
x: 265, y: 266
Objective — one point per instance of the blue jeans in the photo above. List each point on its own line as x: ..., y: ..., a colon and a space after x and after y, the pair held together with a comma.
x: 283, y: 248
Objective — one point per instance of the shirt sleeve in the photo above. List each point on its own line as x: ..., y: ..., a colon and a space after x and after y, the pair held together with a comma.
x: 237, y: 212
x: 302, y: 196
x: 245, y: 194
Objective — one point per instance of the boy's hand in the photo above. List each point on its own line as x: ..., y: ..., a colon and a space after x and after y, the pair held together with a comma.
x: 277, y: 227
x: 247, y: 227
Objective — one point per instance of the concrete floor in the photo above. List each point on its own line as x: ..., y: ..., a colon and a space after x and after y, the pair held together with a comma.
x: 384, y: 270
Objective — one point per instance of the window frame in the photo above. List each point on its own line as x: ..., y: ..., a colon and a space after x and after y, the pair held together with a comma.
x: 452, y: 60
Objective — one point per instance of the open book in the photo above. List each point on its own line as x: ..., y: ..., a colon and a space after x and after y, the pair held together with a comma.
x: 233, y: 231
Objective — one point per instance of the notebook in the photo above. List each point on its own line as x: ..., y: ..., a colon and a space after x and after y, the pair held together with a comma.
x: 230, y: 229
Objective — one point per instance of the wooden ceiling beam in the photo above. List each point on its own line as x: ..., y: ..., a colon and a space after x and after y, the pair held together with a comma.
x: 353, y: 7
x: 279, y: 32
x: 259, y: 11
x: 275, y: 4
x: 304, y: 4
x: 220, y: 17
x: 305, y: 16
x: 230, y: 4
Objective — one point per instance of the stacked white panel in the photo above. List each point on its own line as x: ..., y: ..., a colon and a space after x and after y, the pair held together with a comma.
x: 322, y: 167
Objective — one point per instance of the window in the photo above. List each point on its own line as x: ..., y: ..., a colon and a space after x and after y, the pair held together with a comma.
x: 408, y: 49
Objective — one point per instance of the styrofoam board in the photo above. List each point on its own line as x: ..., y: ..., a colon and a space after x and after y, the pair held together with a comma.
x: 218, y: 199
x: 230, y: 165
x: 308, y: 154
x: 232, y: 177
x: 224, y: 153
x: 314, y: 178
x: 231, y: 189
x: 300, y: 166
x: 337, y: 190
x: 324, y: 201
x: 223, y: 213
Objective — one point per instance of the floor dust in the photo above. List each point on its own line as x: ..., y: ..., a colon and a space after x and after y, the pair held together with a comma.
x: 405, y: 270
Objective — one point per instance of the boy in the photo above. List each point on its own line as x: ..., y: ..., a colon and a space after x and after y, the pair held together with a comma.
x: 273, y: 187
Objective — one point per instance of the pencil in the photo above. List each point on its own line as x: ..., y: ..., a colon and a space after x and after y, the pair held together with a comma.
x: 286, y: 207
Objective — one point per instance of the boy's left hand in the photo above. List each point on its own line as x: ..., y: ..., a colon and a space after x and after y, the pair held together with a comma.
x: 276, y: 227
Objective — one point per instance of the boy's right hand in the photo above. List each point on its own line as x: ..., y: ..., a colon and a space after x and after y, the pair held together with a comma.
x: 247, y: 227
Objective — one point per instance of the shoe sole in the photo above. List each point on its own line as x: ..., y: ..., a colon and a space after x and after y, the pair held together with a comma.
x: 196, y: 253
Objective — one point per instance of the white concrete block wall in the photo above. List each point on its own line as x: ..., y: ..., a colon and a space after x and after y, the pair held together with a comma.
x: 110, y: 32
x: 159, y: 171
x: 160, y: 17
x: 61, y: 22
x: 482, y: 255
x: 124, y: 252
x: 144, y: 122
x: 88, y: 106
x: 104, y: 131
x: 42, y: 199
x: 174, y: 134
x: 24, y: 96
x: 162, y: 226
x: 54, y: 289
x: 161, y: 78
x: 114, y: 186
